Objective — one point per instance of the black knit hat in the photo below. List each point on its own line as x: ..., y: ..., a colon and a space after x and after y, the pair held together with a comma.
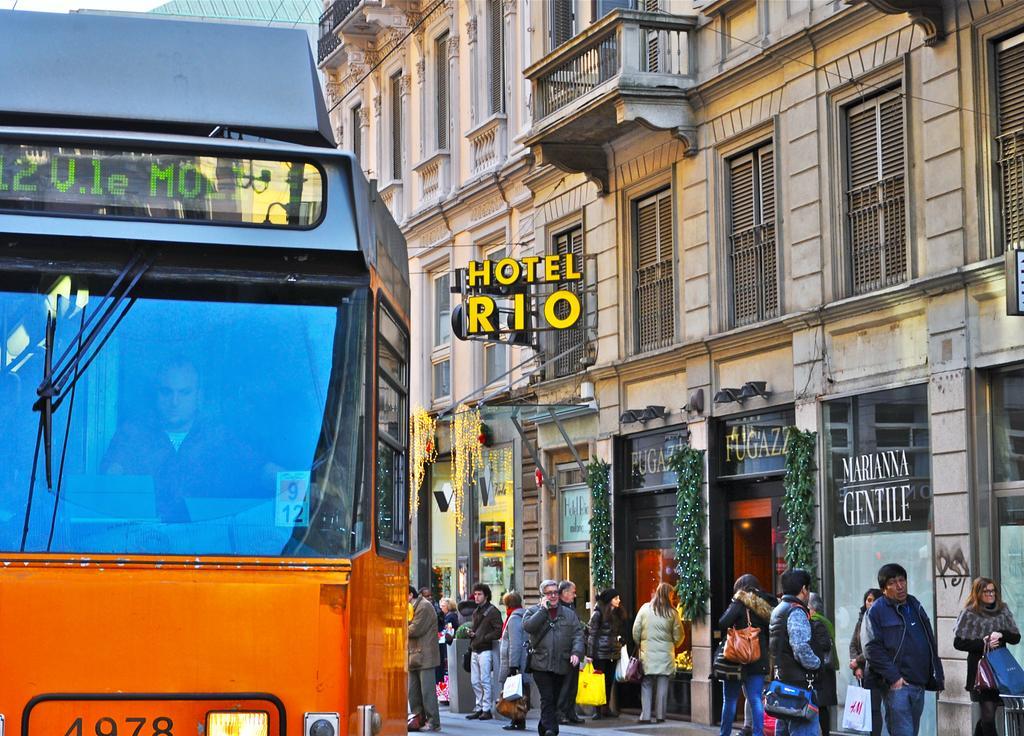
x: 608, y: 596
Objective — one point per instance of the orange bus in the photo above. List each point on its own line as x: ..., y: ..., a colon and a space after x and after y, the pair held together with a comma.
x: 203, y: 392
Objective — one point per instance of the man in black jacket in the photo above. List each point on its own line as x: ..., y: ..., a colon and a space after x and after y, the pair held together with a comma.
x: 567, y: 696
x: 790, y: 639
x: 900, y: 652
x: 486, y: 630
x: 556, y: 648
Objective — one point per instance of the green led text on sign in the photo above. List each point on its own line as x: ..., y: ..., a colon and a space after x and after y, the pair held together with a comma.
x: 68, y: 180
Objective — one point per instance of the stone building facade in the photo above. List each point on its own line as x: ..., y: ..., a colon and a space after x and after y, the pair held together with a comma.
x: 792, y: 214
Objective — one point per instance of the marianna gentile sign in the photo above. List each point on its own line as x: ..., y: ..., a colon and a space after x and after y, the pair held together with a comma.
x: 878, y: 492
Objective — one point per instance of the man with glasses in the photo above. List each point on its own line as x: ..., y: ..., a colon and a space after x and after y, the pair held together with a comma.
x: 556, y: 647
x: 900, y: 652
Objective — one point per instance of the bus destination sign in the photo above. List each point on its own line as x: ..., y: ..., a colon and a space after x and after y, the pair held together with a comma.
x: 181, y: 187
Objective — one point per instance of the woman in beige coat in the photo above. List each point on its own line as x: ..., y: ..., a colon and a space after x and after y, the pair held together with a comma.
x: 657, y: 629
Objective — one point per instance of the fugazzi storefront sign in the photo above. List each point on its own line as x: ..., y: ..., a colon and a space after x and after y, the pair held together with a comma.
x: 878, y: 491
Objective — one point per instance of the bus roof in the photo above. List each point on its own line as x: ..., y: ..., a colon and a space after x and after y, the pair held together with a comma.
x: 132, y: 73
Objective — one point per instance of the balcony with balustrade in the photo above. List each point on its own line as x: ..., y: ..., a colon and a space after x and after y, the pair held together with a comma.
x: 631, y: 68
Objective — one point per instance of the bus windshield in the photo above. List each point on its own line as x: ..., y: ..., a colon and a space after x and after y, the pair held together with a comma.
x: 207, y: 424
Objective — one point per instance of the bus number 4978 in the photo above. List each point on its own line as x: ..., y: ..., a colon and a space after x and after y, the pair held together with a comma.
x: 160, y: 726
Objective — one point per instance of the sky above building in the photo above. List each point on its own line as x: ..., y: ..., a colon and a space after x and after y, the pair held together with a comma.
x: 65, y: 6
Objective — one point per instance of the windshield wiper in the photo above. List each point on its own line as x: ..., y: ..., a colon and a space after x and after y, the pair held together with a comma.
x: 60, y: 376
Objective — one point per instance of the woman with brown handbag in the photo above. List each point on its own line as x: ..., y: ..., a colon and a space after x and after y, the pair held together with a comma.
x: 751, y: 608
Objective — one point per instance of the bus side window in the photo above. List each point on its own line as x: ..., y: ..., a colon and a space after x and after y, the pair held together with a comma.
x: 392, y: 432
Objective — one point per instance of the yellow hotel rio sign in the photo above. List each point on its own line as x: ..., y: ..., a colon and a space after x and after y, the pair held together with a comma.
x: 561, y: 308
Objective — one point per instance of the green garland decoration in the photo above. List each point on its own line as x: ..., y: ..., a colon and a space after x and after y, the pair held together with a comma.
x: 798, y: 501
x: 693, y: 587
x: 600, y: 524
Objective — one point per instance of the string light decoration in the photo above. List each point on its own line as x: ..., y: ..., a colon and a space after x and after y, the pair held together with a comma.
x: 423, y: 451
x: 500, y: 462
x: 467, y: 457
x: 693, y: 587
x: 600, y: 524
x: 798, y: 500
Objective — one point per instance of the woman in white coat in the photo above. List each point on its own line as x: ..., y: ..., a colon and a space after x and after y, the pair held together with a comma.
x: 657, y: 629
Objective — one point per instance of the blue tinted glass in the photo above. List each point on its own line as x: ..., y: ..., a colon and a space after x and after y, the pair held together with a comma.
x: 207, y: 426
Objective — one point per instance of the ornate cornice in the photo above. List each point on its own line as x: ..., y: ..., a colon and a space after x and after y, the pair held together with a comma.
x: 927, y: 14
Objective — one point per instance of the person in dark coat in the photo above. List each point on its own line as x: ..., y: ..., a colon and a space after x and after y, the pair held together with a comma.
x: 604, y: 644
x: 486, y: 629
x: 901, y: 652
x: 423, y: 658
x: 985, y: 623
x: 567, y: 698
x: 556, y: 641
x: 823, y: 642
x: 857, y: 661
x: 749, y: 603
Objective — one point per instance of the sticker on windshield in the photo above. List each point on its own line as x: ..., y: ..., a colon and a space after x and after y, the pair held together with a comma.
x: 291, y: 507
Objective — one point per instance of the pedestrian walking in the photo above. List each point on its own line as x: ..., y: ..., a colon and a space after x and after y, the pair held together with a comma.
x: 789, y: 633
x: 823, y: 642
x: 423, y: 658
x: 556, y: 643
x: 750, y: 606
x: 985, y: 623
x: 857, y: 662
x: 657, y: 631
x: 484, y: 631
x: 514, y: 647
x: 900, y: 651
x: 607, y: 630
x: 450, y: 622
x: 567, y: 697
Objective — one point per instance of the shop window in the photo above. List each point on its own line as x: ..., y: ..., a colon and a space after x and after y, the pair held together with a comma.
x: 753, y: 251
x: 876, y: 193
x: 1008, y: 427
x: 392, y: 434
x: 442, y: 532
x: 1009, y: 104
x: 878, y: 479
x: 495, y: 494
x: 654, y: 298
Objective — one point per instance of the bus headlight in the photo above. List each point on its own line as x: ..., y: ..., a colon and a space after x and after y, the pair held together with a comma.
x: 322, y: 724
x: 237, y: 723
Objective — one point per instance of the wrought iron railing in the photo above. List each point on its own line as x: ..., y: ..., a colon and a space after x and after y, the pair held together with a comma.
x: 878, y: 234
x: 329, y: 21
x: 622, y: 43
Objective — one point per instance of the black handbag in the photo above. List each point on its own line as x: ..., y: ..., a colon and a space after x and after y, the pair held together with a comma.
x: 722, y: 668
x: 467, y: 660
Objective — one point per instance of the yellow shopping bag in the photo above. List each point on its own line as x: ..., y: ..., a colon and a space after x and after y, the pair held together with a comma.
x: 591, y: 687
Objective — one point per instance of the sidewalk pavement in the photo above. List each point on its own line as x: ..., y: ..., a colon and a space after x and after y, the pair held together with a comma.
x: 455, y: 724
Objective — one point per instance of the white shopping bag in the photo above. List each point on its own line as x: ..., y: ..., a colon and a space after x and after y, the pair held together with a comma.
x: 622, y: 666
x: 857, y: 715
x: 513, y: 687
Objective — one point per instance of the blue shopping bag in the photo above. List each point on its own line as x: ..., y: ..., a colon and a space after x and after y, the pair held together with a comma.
x: 1008, y: 672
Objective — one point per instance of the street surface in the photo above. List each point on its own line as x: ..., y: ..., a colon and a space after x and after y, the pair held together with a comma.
x: 457, y: 725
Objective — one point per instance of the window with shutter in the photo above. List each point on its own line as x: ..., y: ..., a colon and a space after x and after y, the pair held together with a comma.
x: 1010, y: 138
x: 356, y: 133
x: 876, y: 195
x: 569, y: 342
x: 654, y: 297
x: 654, y: 40
x: 497, y: 56
x: 561, y: 16
x: 753, y: 255
x: 441, y: 62
x: 396, y: 127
